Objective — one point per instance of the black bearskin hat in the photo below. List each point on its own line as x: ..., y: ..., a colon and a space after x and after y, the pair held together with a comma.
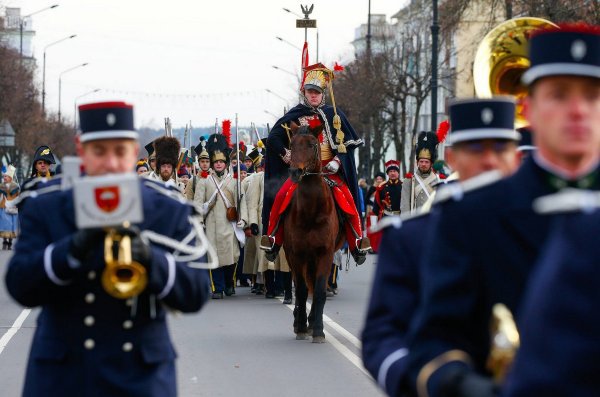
x: 217, y: 148
x: 427, y: 146
x: 167, y: 151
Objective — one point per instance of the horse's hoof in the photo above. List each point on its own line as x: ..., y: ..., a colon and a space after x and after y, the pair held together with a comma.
x: 301, y: 336
x: 318, y: 339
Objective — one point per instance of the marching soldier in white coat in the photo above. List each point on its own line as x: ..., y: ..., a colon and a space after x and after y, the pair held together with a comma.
x: 254, y: 203
x: 217, y: 195
x: 418, y: 187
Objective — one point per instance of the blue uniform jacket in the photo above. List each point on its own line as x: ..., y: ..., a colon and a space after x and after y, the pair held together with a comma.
x: 560, y: 328
x: 394, y: 300
x: 88, y: 343
x: 481, y: 251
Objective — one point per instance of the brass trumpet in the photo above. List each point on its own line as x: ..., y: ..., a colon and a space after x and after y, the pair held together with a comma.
x: 122, y: 277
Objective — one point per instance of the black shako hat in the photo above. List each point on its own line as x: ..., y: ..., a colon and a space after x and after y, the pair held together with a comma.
x: 106, y: 120
x: 572, y: 50
x: 478, y: 118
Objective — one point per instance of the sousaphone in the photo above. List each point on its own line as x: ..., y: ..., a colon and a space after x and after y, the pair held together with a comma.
x: 501, y: 60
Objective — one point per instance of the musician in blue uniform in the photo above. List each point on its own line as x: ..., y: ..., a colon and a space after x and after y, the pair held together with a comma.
x: 487, y: 242
x: 387, y: 195
x: 87, y: 342
x: 558, y: 354
x: 476, y: 149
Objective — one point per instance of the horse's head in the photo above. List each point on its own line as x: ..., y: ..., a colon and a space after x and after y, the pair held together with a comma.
x: 306, y: 153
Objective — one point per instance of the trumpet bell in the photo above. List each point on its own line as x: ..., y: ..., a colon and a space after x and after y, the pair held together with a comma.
x: 122, y: 277
x: 502, y: 58
x: 125, y: 281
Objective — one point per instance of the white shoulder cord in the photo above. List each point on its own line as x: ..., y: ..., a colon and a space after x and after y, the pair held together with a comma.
x: 190, y: 252
x: 183, y: 251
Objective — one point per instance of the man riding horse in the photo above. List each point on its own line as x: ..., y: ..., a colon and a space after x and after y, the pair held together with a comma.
x: 337, y: 143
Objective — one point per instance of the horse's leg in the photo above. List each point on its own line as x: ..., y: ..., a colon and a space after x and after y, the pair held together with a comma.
x: 311, y: 317
x: 300, y: 308
x: 318, y: 304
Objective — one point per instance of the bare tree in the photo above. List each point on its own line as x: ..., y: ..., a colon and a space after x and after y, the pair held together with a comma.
x: 360, y: 93
x: 19, y: 105
x: 557, y: 11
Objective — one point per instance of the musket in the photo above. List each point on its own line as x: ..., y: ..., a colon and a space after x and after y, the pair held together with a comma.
x: 256, y: 132
x: 168, y: 130
x: 181, y: 154
x: 237, y: 156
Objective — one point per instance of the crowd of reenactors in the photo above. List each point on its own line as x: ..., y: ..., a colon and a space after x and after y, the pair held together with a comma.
x: 464, y: 245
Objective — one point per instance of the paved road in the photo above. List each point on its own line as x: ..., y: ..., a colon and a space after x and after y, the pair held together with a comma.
x: 240, y: 346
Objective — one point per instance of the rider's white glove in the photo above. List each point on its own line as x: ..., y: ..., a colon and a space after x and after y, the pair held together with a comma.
x: 333, y: 166
x: 241, y: 224
x: 287, y: 157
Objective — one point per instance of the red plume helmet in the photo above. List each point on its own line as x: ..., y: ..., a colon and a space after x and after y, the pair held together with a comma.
x: 337, y: 67
x: 226, y: 128
x: 442, y: 130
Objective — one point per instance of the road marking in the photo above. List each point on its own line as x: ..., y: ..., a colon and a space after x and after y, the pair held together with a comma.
x: 344, y: 351
x: 342, y: 331
x: 337, y: 345
x: 13, y: 329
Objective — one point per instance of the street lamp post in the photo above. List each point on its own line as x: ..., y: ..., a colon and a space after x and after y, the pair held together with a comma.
x: 300, y: 16
x: 75, y: 105
x: 22, y: 22
x: 44, y: 71
x: 267, y: 112
x: 288, y: 43
x: 435, y: 28
x: 284, y: 70
x: 60, y: 84
x: 277, y: 95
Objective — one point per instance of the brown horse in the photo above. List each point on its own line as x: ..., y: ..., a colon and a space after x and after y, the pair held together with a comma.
x: 312, y: 231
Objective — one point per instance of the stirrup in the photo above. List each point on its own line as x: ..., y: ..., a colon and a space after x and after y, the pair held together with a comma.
x: 359, y: 256
x: 267, y: 243
x: 363, y: 244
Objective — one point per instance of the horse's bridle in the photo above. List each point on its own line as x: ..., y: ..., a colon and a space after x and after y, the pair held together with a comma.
x: 312, y: 164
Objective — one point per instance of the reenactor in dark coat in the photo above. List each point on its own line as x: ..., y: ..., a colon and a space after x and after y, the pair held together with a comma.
x: 487, y: 241
x: 88, y: 342
x: 396, y: 286
x: 337, y: 143
x: 42, y: 160
x: 387, y: 195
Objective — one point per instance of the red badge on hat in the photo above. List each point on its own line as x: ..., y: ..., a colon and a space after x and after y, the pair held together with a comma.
x: 107, y: 198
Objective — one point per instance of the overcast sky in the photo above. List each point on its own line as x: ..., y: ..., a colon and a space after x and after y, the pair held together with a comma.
x: 187, y: 59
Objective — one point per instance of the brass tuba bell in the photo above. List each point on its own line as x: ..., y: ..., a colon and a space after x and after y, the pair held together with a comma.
x: 122, y: 277
x: 501, y: 60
